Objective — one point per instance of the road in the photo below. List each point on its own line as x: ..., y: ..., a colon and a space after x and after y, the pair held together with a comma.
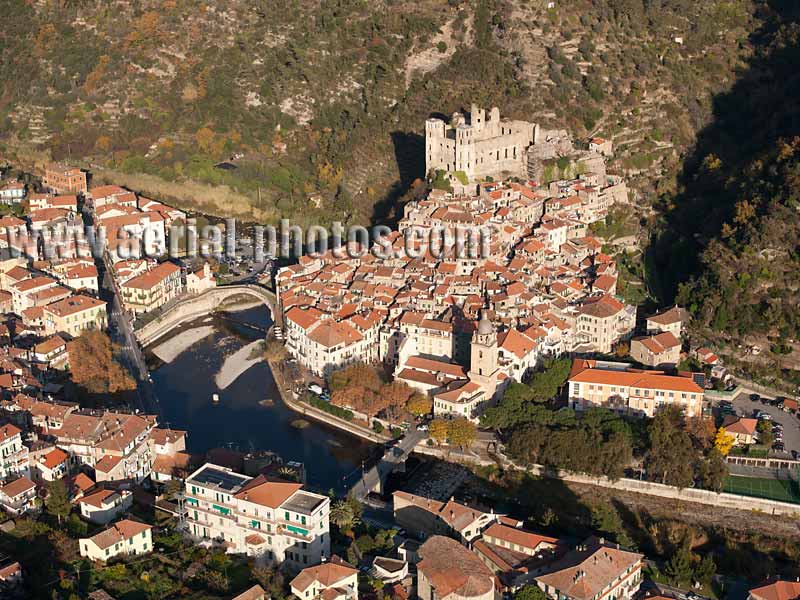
x: 121, y: 333
x: 387, y: 463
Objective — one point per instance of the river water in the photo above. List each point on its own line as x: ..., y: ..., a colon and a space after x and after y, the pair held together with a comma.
x: 184, y: 387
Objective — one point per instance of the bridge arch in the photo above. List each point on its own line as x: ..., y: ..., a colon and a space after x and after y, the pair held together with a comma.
x: 193, y: 307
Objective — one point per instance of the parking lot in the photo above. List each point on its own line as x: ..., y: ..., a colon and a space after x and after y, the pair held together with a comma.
x: 791, y: 425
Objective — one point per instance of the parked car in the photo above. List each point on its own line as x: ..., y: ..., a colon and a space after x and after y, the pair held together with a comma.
x: 315, y: 388
x: 765, y: 417
x: 422, y: 427
x: 778, y: 447
x: 755, y: 397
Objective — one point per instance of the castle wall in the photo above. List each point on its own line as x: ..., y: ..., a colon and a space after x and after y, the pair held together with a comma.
x: 480, y: 148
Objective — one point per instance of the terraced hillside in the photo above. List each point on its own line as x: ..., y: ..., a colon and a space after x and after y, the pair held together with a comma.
x: 310, y: 97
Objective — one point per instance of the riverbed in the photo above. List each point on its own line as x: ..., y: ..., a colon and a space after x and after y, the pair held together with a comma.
x: 242, y: 420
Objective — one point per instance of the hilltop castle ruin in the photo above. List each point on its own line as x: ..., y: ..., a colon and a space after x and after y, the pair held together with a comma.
x: 479, y: 147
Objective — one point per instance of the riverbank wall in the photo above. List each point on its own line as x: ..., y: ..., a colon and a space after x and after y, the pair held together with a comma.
x: 320, y: 415
x: 707, y: 497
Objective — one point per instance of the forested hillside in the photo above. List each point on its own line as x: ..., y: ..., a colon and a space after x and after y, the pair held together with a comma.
x: 729, y: 240
x: 328, y: 97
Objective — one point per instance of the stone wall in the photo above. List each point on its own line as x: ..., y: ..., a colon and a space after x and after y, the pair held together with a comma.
x: 200, y: 305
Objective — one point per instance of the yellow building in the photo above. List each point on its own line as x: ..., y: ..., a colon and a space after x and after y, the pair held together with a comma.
x: 151, y: 289
x: 74, y: 315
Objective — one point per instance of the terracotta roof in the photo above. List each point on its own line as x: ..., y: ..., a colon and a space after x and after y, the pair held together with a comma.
x: 267, y: 493
x: 119, y: 532
x: 163, y: 436
x: 107, y: 463
x: 98, y: 498
x: 581, y: 373
x: 740, y: 426
x: 73, y: 304
x: 436, y: 366
x: 8, y: 431
x: 453, y: 569
x: 585, y: 572
x: 779, y: 590
x: 153, y: 277
x: 52, y: 343
x: 304, y: 317
x: 254, y: 593
x: 670, y: 316
x: 523, y: 538
x: 327, y: 574
x: 54, y: 458
x: 17, y: 487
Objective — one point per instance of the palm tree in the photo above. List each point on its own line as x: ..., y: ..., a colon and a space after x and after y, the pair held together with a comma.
x: 343, y: 517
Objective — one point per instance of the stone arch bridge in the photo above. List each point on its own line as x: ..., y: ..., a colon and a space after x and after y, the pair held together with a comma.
x: 200, y: 305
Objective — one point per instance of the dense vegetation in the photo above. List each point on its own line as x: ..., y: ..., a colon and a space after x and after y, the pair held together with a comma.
x: 598, y: 441
x: 728, y: 241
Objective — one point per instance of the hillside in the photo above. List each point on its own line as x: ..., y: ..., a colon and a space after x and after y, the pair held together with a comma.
x: 728, y: 241
x: 329, y: 98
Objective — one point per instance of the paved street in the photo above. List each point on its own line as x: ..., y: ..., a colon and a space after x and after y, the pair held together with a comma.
x: 121, y: 333
x: 791, y: 425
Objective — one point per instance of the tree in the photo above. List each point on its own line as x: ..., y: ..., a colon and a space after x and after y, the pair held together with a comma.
x: 343, y: 516
x: 724, y: 441
x: 91, y: 359
x: 530, y: 592
x: 419, y: 405
x: 57, y: 502
x: 274, y: 350
x: 679, y: 567
x: 713, y: 471
x: 705, y: 570
x: 438, y: 430
x: 671, y: 457
x: 765, y: 435
x: 461, y: 432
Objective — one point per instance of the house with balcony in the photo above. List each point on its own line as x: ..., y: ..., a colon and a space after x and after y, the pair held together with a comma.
x: 103, y: 506
x: 276, y: 521
x: 13, y: 454
x: 152, y: 289
x: 18, y: 496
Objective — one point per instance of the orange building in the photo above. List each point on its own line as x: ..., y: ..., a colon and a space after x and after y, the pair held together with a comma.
x: 61, y: 179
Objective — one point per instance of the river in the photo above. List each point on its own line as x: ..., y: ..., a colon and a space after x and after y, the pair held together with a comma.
x: 185, y: 385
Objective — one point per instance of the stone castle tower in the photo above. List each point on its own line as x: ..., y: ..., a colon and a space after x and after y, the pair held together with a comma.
x: 479, y: 147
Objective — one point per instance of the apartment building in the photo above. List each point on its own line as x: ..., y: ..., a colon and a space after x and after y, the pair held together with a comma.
x: 595, y: 570
x: 629, y: 391
x: 322, y: 344
x: 601, y: 322
x: 62, y: 179
x: 117, y: 445
x: 276, y: 521
x: 151, y: 289
x: 123, y: 537
x: 13, y: 454
x: 74, y: 315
